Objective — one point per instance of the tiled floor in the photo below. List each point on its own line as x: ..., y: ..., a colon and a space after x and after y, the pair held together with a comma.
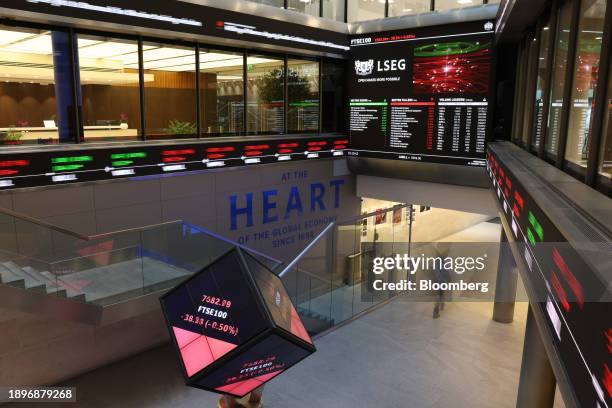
x: 396, y: 356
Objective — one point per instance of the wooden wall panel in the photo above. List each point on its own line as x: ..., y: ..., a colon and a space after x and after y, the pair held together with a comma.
x: 168, y: 79
x: 32, y: 103
x: 105, y: 102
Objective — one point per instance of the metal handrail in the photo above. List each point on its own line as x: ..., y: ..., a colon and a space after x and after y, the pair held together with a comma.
x: 75, y: 234
x: 229, y: 241
x: 42, y: 223
x: 83, y: 237
x: 306, y: 250
x: 349, y: 221
x: 145, y: 227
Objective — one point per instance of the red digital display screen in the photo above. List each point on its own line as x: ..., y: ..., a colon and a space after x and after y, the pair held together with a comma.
x: 58, y: 166
x: 234, y: 326
x: 571, y: 295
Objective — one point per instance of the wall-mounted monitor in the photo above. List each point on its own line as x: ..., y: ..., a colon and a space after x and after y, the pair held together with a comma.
x: 423, y: 94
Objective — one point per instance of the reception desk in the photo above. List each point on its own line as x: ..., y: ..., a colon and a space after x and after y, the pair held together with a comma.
x: 91, y: 132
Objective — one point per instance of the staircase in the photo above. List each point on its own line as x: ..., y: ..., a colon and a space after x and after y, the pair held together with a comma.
x: 50, y: 271
x: 98, y: 280
x: 313, y: 321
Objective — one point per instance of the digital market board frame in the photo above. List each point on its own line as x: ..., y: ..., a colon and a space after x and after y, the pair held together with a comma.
x: 51, y: 165
x: 424, y: 94
x: 573, y: 298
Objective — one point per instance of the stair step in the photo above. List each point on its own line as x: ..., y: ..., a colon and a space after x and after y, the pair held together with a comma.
x: 30, y: 282
x: 9, y: 278
x: 78, y: 298
x: 49, y: 281
x: 67, y: 292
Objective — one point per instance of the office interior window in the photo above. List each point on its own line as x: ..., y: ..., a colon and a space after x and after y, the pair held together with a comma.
x: 605, y: 155
x: 563, y: 31
x: 221, y: 92
x: 406, y: 7
x: 538, y: 106
x: 333, y: 9
x: 531, y: 48
x: 520, y: 93
x: 310, y: 7
x: 333, y: 100
x: 110, y: 88
x: 362, y: 10
x: 27, y: 87
x: 265, y: 95
x: 302, y: 96
x: 453, y: 4
x: 274, y: 3
x: 170, y: 91
x: 586, y: 70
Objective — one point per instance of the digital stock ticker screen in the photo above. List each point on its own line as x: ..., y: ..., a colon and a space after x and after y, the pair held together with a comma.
x: 423, y: 94
x: 234, y: 326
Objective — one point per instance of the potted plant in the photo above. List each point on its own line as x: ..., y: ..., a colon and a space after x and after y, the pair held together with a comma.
x: 12, y: 136
x: 177, y: 127
x: 123, y: 121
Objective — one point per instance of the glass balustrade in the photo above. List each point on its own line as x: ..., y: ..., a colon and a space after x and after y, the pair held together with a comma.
x: 329, y: 282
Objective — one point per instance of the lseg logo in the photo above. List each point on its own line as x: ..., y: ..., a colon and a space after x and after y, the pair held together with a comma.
x: 364, y: 68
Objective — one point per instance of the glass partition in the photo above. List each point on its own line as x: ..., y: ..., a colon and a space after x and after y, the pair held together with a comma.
x: 361, y: 10
x: 531, y: 48
x: 27, y: 87
x: 331, y: 280
x: 586, y: 70
x: 520, y: 88
x: 406, y: 7
x: 109, y: 268
x: 453, y: 4
x: 110, y: 88
x: 109, y: 73
x: 558, y: 78
x: 302, y: 96
x: 170, y: 91
x: 274, y: 3
x: 605, y: 156
x: 310, y: 7
x: 221, y: 92
x: 265, y: 95
x: 541, y: 73
x: 333, y: 9
x: 332, y: 97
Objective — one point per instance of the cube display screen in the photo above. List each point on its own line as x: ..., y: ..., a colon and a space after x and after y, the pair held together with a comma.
x: 234, y: 326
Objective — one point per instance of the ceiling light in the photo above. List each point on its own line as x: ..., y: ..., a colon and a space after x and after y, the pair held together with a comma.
x: 9, y: 36
x: 38, y: 44
x: 464, y: 1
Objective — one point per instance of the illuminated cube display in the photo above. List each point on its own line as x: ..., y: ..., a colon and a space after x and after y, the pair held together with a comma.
x: 234, y: 326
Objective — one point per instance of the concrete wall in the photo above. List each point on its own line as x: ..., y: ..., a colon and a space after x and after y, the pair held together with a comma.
x: 202, y: 199
x: 38, y: 350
